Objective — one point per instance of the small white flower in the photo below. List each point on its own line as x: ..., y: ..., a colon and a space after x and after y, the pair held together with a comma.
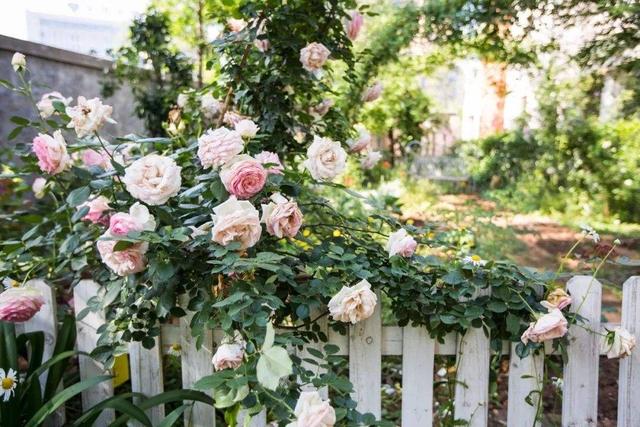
x: 8, y: 382
x: 175, y: 350
x: 247, y: 128
x: 474, y: 260
x: 442, y: 372
x: 38, y: 187
x: 558, y: 383
x: 19, y: 62
x: 590, y: 233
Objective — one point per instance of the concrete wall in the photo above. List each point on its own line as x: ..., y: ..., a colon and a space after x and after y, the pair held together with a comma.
x: 69, y: 73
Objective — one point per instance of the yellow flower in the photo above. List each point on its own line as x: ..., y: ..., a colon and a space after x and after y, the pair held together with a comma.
x: 337, y: 233
x: 410, y: 221
x: 306, y: 232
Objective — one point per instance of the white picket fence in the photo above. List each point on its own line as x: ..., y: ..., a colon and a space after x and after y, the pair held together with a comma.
x: 368, y: 341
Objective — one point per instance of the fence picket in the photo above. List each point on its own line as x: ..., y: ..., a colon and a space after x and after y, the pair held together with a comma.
x: 365, y: 362
x: 195, y: 365
x: 525, y: 376
x: 473, y: 354
x: 147, y: 376
x: 417, y: 377
x: 580, y: 392
x: 629, y: 380
x: 87, y: 339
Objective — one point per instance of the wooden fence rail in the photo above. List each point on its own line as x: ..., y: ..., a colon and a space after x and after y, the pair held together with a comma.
x: 369, y: 341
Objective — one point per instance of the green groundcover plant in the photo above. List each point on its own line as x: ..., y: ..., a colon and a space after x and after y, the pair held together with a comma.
x: 233, y: 221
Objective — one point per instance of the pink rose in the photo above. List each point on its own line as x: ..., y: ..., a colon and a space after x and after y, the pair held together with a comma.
x: 321, y: 109
x: 97, y: 208
x: 354, y: 25
x: 51, y: 153
x: 353, y: 304
x: 313, y: 56
x: 96, y: 158
x: 243, y: 176
x: 400, y: 243
x: 361, y: 143
x: 20, y: 304
x: 216, y: 147
x: 127, y: 261
x: 268, y: 158
x: 236, y: 221
x: 282, y: 217
x: 138, y: 219
x: 373, y: 92
x: 262, y: 44
x: 549, y: 326
x: 228, y: 356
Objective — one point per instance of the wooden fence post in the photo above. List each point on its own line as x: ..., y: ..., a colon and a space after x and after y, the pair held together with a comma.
x: 580, y: 391
x: 196, y: 364
x: 472, y: 386
x: 365, y: 362
x: 87, y: 339
x: 46, y: 321
x: 525, y: 376
x: 417, y: 377
x: 147, y: 376
x: 629, y: 380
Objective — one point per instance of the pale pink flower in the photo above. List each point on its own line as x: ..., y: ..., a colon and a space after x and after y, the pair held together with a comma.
x: 38, y: 187
x: 549, y: 326
x: 313, y: 56
x: 247, y: 128
x: 262, y: 45
x: 272, y: 160
x: 138, y: 219
x: 361, y: 143
x: 401, y: 243
x: 98, y: 158
x: 216, y: 147
x: 18, y: 62
x: 127, y: 261
x: 210, y: 106
x: 326, y: 159
x: 97, y: 208
x: 353, y: 304
x: 312, y: 411
x: 621, y: 345
x: 354, y: 25
x: 282, y: 216
x: 370, y: 159
x: 323, y: 108
x: 228, y: 356
x: 89, y: 116
x: 236, y: 221
x: 373, y: 92
x: 243, y: 176
x: 154, y: 179
x: 236, y: 25
x: 51, y: 153
x: 19, y: 304
x: 45, y: 105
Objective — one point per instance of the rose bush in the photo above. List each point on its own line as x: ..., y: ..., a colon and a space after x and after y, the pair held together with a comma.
x: 209, y: 221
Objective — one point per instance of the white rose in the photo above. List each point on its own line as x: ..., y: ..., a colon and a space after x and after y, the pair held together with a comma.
x: 45, y: 105
x: 153, y: 179
x: 326, y: 159
x: 312, y: 411
x: 370, y: 159
x: 236, y: 221
x: 210, y: 106
x: 182, y: 100
x: 18, y: 61
x: 401, y: 243
x: 228, y: 356
x: 353, y: 304
x: 88, y: 116
x: 217, y: 147
x: 247, y: 128
x: 38, y: 187
x: 313, y: 56
x: 622, y: 345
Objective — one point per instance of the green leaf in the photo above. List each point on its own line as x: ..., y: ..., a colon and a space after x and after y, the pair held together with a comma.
x: 173, y: 416
x: 119, y: 403
x: 513, y: 324
x: 273, y: 364
x: 78, y: 196
x: 60, y: 398
x: 20, y: 121
x: 14, y: 133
